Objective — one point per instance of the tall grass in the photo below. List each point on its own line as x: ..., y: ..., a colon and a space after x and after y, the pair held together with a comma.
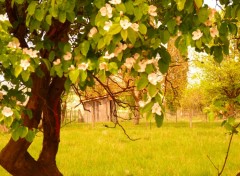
x: 172, y: 150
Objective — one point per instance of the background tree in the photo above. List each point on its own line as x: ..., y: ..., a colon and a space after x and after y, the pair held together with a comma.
x: 222, y: 85
x: 176, y: 78
x: 49, y: 46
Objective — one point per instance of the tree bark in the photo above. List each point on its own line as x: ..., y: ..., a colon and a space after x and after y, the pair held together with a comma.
x: 51, y: 127
x: 14, y: 156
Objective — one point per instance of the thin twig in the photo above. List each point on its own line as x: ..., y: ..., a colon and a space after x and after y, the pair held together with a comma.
x: 226, y: 157
x: 213, y: 164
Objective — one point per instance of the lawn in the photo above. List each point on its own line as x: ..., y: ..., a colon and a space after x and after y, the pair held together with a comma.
x: 172, y: 150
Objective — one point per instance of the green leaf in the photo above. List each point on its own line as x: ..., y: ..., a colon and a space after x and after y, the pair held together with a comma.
x: 54, y: 11
x: 124, y: 34
x: 101, y: 43
x: 138, y: 14
x: 218, y: 55
x: 31, y: 8
x: 49, y: 19
x: 164, y: 61
x: 198, y: 3
x: 84, y: 47
x: 67, y: 85
x: 152, y: 90
x: 132, y: 35
x: 62, y: 16
x: 113, y: 67
x: 73, y: 75
x: 121, y: 7
x: 47, y: 63
x: 164, y: 36
x: 19, y: 1
x: 71, y: 16
x: 83, y: 75
x: 39, y: 14
x: 171, y: 24
x: 233, y: 28
x: 203, y: 15
x: 142, y: 28
x: 25, y: 76
x: 199, y: 43
x: 17, y: 70
x: 99, y: 3
x: 30, y: 136
x: 142, y: 82
x: 22, y: 131
x: 115, y: 29
x: 159, y: 120
x: 180, y: 4
x: 129, y: 7
x: 15, y: 135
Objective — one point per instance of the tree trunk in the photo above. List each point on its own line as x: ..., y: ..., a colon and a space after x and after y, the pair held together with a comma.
x: 14, y: 156
x: 51, y: 127
x: 136, y: 95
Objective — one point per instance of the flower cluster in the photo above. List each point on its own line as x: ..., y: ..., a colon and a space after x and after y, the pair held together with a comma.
x: 24, y: 64
x: 67, y: 56
x: 106, y: 11
x: 14, y: 44
x: 155, y: 78
x: 156, y: 109
x: 108, y: 56
x: 30, y: 52
x: 7, y: 112
x: 83, y: 66
x: 92, y: 32
x: 197, y: 34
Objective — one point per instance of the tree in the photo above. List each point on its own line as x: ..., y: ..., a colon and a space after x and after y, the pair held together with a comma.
x: 224, y: 90
x: 48, y: 46
x: 176, y: 78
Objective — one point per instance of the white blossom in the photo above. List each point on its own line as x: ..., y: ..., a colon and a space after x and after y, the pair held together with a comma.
x: 135, y: 27
x: 7, y: 112
x: 67, y: 56
x: 120, y: 48
x: 106, y: 11
x: 115, y: 2
x: 197, y: 34
x: 125, y: 23
x: 154, y: 78
x: 156, y: 109
x: 14, y: 44
x: 107, y: 25
x: 208, y: 23
x: 214, y: 31
x: 72, y: 67
x: 103, y: 66
x: 178, y: 20
x: 136, y: 56
x: 154, y: 23
x: 57, y: 62
x: 3, y: 18
x: 24, y: 64
x: 144, y: 103
x: 108, y: 56
x: 30, y: 52
x: 83, y: 66
x: 92, y: 32
x: 152, y: 10
x: 142, y: 64
x: 130, y: 61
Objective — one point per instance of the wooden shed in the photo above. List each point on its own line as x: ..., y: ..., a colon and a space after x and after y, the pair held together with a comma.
x: 98, y: 109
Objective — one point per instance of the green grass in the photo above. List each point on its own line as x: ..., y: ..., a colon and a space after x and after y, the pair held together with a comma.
x: 172, y: 150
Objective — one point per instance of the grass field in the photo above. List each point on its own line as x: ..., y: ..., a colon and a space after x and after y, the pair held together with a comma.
x: 173, y: 150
